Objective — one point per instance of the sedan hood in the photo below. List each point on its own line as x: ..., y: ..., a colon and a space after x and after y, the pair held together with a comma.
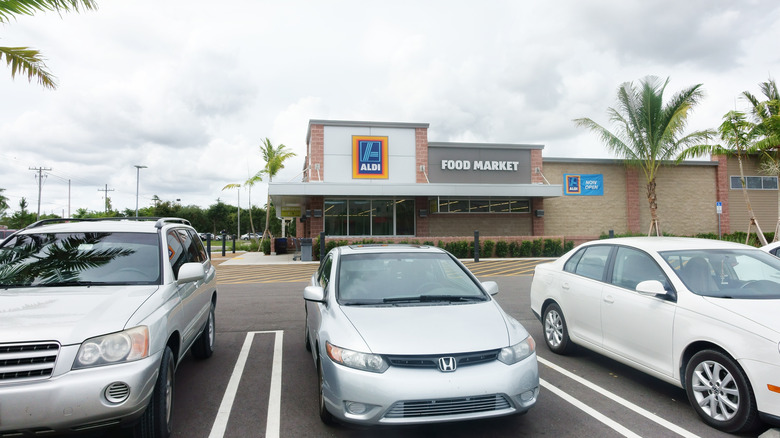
x: 425, y: 329
x: 762, y: 312
x: 68, y: 315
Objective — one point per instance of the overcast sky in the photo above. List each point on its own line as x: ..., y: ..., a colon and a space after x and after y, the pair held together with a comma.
x: 190, y: 88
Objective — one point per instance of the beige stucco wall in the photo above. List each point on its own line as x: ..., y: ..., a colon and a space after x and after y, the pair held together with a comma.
x: 587, y: 215
x: 764, y: 202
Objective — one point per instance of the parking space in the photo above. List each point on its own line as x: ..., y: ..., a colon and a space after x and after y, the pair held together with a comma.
x: 261, y: 381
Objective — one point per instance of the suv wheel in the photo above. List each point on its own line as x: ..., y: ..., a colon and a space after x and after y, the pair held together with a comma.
x: 203, y: 347
x: 156, y: 420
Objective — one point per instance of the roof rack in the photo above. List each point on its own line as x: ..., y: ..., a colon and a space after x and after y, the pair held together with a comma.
x: 160, y: 221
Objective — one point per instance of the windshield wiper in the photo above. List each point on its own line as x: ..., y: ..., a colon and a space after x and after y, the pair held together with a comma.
x: 74, y: 283
x: 434, y: 299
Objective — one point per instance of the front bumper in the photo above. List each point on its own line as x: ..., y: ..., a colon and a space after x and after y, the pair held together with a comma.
x: 411, y: 396
x: 77, y: 400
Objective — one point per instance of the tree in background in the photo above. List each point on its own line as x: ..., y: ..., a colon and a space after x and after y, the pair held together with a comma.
x: 739, y: 139
x: 3, y: 203
x: 274, y: 157
x: 766, y: 115
x: 248, y: 184
x: 27, y: 61
x: 649, y: 132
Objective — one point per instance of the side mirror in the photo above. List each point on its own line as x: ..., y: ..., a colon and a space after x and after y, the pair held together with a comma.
x: 190, y: 272
x: 314, y: 293
x: 491, y: 287
x: 653, y: 288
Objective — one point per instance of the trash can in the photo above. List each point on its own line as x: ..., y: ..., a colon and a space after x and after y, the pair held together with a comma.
x: 306, y: 250
x: 280, y: 245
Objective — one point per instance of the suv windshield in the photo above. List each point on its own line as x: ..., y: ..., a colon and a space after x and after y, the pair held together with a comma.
x: 77, y: 259
x: 746, y: 274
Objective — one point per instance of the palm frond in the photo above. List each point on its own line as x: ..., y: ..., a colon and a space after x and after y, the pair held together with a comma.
x: 12, y: 8
x: 28, y: 62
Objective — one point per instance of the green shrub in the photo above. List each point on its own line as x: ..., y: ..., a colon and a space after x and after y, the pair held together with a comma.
x: 552, y: 248
x: 537, y: 246
x: 568, y: 246
x: 525, y: 249
x: 267, y: 246
x: 502, y: 248
x: 487, y: 248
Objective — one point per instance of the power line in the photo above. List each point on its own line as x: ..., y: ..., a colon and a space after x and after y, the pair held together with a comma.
x: 106, y: 190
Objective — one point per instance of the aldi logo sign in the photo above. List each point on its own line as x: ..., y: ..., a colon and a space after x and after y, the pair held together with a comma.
x: 369, y: 157
x: 583, y: 185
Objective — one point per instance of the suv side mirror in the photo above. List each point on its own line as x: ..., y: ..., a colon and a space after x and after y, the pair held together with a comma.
x: 190, y: 272
x: 491, y: 287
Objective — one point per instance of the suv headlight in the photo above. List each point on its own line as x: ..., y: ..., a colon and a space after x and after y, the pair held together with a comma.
x: 126, y: 346
x: 355, y: 359
x: 516, y: 353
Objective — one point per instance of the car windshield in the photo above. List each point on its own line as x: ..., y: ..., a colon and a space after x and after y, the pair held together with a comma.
x: 732, y: 273
x: 77, y: 259
x: 404, y: 278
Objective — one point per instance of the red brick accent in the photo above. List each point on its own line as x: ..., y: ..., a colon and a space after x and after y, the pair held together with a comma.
x: 537, y: 223
x: 722, y: 191
x: 536, y: 161
x: 421, y: 154
x: 632, y: 199
x: 316, y: 152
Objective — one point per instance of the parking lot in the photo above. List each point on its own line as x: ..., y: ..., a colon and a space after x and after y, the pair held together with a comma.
x: 262, y: 382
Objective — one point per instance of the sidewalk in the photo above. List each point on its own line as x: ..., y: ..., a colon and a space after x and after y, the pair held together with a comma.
x: 252, y: 258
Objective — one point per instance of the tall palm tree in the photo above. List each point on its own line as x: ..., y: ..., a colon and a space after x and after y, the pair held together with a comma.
x: 24, y: 60
x: 274, y: 157
x: 766, y: 115
x: 649, y: 132
x: 248, y: 184
x: 739, y: 136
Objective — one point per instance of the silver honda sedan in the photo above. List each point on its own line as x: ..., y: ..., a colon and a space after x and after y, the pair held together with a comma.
x: 406, y: 334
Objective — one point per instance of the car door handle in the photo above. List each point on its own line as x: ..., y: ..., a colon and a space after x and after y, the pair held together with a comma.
x: 608, y: 299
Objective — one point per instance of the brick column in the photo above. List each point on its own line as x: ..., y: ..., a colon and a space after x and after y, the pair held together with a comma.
x: 421, y: 154
x: 537, y: 223
x: 316, y: 224
x: 316, y: 153
x: 536, y: 162
x: 722, y: 191
x: 632, y: 199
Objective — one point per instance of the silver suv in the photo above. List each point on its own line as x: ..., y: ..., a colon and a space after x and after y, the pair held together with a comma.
x: 95, y: 316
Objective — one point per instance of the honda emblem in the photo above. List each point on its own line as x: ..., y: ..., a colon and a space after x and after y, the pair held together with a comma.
x: 447, y: 364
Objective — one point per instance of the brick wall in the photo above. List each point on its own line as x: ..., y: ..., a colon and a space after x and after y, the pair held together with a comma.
x: 421, y: 154
x: 316, y: 152
x: 454, y: 224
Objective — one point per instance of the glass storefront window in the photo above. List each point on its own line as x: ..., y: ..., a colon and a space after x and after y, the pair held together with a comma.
x: 335, y: 218
x: 479, y: 206
x: 359, y: 217
x: 450, y: 205
x: 382, y: 217
x: 404, y: 217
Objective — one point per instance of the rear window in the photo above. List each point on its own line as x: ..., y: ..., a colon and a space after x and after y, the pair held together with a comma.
x: 75, y: 259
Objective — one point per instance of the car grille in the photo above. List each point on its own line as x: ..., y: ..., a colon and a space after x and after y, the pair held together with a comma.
x: 27, y: 361
x: 451, y: 406
x: 432, y: 361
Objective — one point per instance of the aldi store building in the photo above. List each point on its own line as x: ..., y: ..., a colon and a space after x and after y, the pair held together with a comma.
x: 387, y: 181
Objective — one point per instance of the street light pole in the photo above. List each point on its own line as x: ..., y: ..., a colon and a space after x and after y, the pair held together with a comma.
x: 138, y: 168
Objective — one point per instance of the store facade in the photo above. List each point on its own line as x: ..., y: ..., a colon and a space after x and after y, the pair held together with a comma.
x: 387, y: 181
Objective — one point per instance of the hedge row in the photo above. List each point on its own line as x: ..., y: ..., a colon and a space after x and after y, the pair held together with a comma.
x: 465, y: 248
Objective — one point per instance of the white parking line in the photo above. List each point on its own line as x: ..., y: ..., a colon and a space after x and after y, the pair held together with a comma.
x: 616, y: 398
x: 590, y: 411
x: 275, y: 393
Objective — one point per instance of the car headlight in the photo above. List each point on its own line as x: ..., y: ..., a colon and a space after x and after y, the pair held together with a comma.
x: 126, y: 346
x: 355, y: 359
x: 516, y: 353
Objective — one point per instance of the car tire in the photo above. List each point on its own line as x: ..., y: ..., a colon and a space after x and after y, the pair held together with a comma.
x: 307, y: 342
x: 203, y: 347
x: 325, y: 416
x: 556, y: 332
x: 720, y: 392
x: 156, y: 420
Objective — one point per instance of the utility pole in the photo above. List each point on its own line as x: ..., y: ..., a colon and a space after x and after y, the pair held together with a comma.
x: 106, y: 190
x: 40, y: 171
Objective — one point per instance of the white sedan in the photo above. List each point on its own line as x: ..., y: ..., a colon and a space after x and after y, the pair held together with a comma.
x: 699, y: 314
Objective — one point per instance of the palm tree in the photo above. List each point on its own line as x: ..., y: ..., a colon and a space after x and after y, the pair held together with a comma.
x: 27, y: 61
x: 274, y: 157
x: 649, y: 133
x: 766, y: 115
x: 740, y: 137
x: 248, y: 184
x: 3, y: 203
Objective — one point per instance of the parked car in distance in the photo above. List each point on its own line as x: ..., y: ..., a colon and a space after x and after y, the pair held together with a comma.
x: 772, y: 248
x: 5, y: 233
x: 96, y: 315
x: 403, y: 334
x: 249, y: 236
x: 700, y: 314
